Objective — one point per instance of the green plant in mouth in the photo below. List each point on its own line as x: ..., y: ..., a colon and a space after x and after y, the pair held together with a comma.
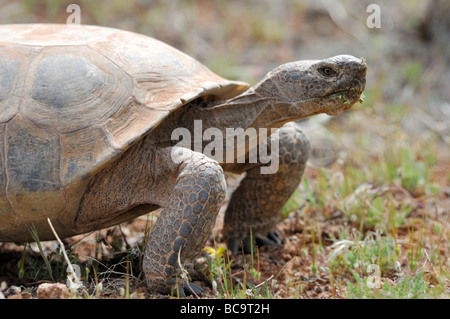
x: 343, y: 97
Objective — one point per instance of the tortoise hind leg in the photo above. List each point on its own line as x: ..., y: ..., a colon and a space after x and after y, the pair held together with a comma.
x: 256, y: 204
x: 185, y: 223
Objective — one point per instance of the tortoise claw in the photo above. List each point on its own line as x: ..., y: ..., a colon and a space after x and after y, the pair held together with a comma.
x: 236, y: 244
x: 271, y: 238
x: 192, y: 289
x: 188, y: 289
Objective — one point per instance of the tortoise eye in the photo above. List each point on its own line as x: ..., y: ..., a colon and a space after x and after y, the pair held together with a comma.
x: 327, y: 71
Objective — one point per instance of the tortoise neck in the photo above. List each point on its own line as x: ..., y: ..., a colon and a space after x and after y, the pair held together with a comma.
x: 229, y: 126
x: 248, y: 110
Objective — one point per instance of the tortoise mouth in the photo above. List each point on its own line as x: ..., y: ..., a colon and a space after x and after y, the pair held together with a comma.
x: 343, y: 100
x: 349, y: 92
x: 349, y: 96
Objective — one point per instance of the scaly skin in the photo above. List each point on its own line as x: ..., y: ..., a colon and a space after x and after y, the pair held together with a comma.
x: 185, y: 224
x: 256, y: 204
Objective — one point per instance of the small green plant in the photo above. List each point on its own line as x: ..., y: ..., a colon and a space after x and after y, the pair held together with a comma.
x: 239, y: 284
x: 408, y: 287
x: 375, y: 208
x: 254, y: 272
x: 313, y: 250
x: 356, y: 255
x: 405, y: 169
x: 54, y: 267
x: 218, y: 271
x: 34, y: 234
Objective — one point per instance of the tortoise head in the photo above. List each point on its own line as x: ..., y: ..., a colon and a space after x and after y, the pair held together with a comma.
x: 316, y: 86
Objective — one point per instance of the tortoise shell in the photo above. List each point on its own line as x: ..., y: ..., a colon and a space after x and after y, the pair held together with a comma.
x: 72, y: 100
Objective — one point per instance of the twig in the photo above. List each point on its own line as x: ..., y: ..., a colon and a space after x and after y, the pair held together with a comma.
x: 259, y: 285
x: 185, y: 275
x: 77, y: 283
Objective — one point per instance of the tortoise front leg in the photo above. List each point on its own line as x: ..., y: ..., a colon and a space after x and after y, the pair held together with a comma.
x: 256, y: 204
x: 185, y: 223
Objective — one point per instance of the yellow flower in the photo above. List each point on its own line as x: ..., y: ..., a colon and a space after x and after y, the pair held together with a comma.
x: 220, y: 251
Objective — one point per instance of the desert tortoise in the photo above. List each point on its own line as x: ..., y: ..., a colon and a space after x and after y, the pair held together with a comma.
x: 90, y: 126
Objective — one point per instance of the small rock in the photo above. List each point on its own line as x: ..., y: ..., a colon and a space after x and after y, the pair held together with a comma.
x: 25, y: 295
x: 13, y: 292
x: 52, y: 291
